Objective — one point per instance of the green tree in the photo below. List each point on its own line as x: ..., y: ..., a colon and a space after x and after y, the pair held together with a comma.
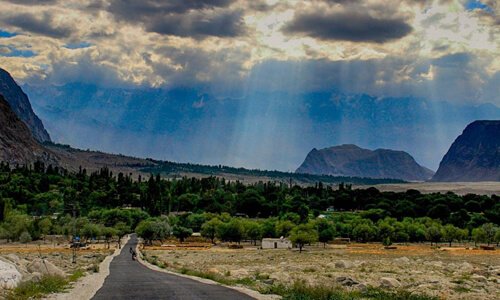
x: 231, y: 231
x: 253, y: 231
x: 209, y: 229
x: 364, y: 232
x: 326, y: 235
x: 489, y: 231
x: 433, y: 234
x: 181, y: 232
x: 478, y: 235
x: 451, y: 233
x: 45, y: 227
x: 303, y: 234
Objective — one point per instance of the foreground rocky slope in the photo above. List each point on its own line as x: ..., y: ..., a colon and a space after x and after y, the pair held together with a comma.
x: 351, y: 160
x: 20, y: 104
x: 474, y: 156
x: 17, y: 145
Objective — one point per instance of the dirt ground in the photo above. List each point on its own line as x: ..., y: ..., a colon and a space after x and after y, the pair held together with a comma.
x: 459, y: 188
x: 449, y: 273
x: 59, y: 254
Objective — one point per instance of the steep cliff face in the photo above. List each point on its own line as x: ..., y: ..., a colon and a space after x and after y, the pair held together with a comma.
x: 17, y: 145
x: 474, y: 156
x: 21, y: 106
x: 351, y: 160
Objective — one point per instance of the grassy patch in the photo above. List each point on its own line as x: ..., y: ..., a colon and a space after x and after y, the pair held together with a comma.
x: 48, y: 284
x: 302, y: 291
x: 36, y: 290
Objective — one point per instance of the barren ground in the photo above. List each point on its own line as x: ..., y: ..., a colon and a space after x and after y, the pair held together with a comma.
x: 447, y: 273
x: 460, y: 188
x: 60, y: 255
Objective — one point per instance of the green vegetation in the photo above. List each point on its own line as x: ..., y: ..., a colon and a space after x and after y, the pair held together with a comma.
x: 302, y: 291
x: 39, y: 201
x: 48, y: 284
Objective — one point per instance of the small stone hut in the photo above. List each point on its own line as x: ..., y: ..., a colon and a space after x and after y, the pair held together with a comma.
x: 281, y: 243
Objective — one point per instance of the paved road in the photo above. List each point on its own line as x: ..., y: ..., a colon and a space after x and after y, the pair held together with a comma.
x: 129, y: 279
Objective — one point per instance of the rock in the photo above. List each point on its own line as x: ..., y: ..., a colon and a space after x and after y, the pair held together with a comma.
x: 269, y: 281
x: 44, y: 267
x: 465, y: 266
x: 9, y: 275
x: 479, y: 278
x: 388, y: 282
x: 213, y: 271
x: 34, y: 276
x: 13, y: 258
x: 346, y: 281
x: 239, y: 273
x: 361, y: 287
x: 342, y: 264
x: 402, y: 260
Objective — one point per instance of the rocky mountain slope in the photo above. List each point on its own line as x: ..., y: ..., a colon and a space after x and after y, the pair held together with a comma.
x: 17, y: 145
x: 351, y: 160
x: 20, y: 104
x: 474, y: 156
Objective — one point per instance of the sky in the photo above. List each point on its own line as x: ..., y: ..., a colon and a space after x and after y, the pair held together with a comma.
x: 438, y: 50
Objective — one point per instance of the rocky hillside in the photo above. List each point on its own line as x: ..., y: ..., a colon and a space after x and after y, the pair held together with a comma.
x: 20, y: 104
x: 17, y: 145
x: 474, y: 156
x: 351, y: 160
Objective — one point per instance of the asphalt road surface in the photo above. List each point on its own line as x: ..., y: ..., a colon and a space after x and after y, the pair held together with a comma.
x: 129, y: 279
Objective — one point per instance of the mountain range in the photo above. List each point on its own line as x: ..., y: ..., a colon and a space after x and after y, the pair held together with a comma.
x: 24, y: 138
x: 20, y: 104
x: 474, y: 155
x: 272, y: 130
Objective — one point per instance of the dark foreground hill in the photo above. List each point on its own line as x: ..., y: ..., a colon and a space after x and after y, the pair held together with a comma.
x: 474, y: 156
x: 17, y: 145
x: 351, y: 160
x: 21, y: 106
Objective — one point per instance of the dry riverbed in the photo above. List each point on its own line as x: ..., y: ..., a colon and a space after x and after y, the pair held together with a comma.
x: 447, y: 273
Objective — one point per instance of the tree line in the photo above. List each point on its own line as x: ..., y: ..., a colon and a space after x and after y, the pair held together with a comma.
x: 45, y: 199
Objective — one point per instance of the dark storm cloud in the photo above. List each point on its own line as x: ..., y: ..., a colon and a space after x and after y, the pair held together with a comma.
x: 185, y: 18
x: 347, y: 25
x: 32, y: 2
x: 199, y: 24
x: 42, y: 25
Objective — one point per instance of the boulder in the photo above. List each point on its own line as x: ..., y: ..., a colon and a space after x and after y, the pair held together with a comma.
x: 402, y: 260
x: 44, y: 267
x: 342, y: 264
x: 9, y: 275
x: 239, y: 273
x: 388, y: 282
x: 479, y: 278
x: 346, y: 281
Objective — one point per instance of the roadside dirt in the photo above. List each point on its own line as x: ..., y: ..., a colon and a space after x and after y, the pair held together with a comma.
x: 450, y: 273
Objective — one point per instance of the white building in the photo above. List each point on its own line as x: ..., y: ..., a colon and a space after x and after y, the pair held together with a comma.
x: 280, y: 243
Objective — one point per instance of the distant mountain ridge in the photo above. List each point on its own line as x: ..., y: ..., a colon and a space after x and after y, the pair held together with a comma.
x: 474, y: 155
x: 20, y: 104
x: 244, y: 131
x: 351, y: 160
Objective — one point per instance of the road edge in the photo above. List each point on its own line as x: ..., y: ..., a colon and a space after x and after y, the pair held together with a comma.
x: 252, y: 293
x: 86, y: 287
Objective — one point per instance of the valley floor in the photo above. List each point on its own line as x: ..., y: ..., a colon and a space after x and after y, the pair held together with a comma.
x: 448, y: 273
x: 459, y: 188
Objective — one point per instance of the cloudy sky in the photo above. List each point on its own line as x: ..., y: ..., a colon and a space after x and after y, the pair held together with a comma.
x: 264, y: 54
x: 437, y: 49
